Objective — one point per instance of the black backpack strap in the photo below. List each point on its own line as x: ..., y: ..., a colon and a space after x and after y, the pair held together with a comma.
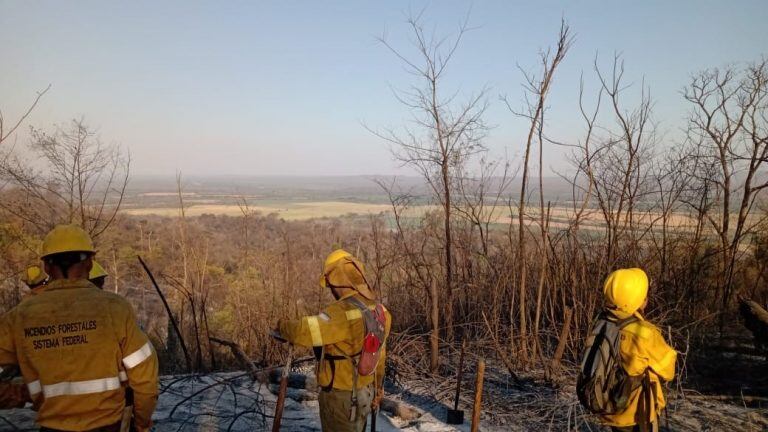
x: 646, y: 403
x: 329, y: 387
x: 595, y: 348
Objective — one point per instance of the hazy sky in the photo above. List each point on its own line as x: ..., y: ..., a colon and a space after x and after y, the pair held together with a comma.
x: 283, y: 87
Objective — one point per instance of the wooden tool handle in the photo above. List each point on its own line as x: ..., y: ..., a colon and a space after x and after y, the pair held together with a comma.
x: 478, y: 395
x: 280, y: 404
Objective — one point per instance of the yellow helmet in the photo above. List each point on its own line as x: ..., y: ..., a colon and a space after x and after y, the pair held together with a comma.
x: 626, y: 290
x: 34, y: 276
x: 66, y: 238
x: 97, y: 271
x: 341, y: 269
x: 334, y: 257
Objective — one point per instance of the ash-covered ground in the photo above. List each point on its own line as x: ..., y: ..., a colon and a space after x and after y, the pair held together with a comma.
x: 233, y: 402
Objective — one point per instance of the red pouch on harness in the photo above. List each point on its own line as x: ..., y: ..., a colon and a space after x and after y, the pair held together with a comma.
x: 374, y: 339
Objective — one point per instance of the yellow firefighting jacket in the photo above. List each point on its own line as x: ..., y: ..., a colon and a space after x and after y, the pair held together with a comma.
x: 77, y: 346
x: 13, y: 392
x: 339, y: 329
x: 644, y: 348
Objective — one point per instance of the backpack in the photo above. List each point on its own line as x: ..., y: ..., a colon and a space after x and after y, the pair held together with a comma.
x: 603, y: 386
x: 375, y: 321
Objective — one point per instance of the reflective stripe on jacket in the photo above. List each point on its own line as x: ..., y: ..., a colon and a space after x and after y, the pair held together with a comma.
x: 77, y: 346
x: 339, y: 328
x: 644, y: 348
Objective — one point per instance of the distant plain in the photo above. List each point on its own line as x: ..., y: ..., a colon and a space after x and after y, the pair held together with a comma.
x: 303, y: 198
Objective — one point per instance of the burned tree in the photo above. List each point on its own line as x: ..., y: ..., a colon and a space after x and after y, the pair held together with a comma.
x: 728, y: 130
x: 537, y: 89
x: 82, y: 180
x: 444, y: 136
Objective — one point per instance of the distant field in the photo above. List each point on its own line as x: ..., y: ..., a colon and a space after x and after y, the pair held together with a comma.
x: 288, y: 211
x: 303, y: 210
x: 301, y: 198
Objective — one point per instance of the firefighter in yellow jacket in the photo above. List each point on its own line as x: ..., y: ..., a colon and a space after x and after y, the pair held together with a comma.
x: 97, y: 275
x: 13, y: 391
x: 643, y: 349
x: 337, y: 335
x: 76, y: 345
x: 35, y: 278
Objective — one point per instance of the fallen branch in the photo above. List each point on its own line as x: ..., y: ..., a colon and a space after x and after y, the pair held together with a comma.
x: 203, y: 390
x: 399, y: 409
x: 239, y: 354
x: 500, y: 351
x: 187, y: 358
x: 295, y: 380
x: 229, y: 380
x: 560, y: 350
x: 755, y: 320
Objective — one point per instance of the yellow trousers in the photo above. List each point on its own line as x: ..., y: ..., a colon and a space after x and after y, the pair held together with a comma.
x: 336, y: 410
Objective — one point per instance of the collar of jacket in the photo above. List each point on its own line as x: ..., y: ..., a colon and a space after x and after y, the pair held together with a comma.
x: 68, y: 284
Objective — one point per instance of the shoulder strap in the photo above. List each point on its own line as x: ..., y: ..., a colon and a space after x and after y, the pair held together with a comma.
x: 368, y: 315
x: 374, y: 319
x: 356, y: 302
x: 594, y: 341
x: 627, y: 321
